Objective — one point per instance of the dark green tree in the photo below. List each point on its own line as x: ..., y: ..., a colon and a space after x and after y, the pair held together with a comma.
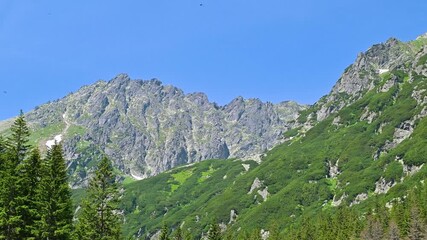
x: 17, y: 143
x: 178, y: 234
x: 274, y: 232
x: 373, y: 229
x: 14, y: 152
x: 99, y: 218
x: 55, y: 198
x: 164, y: 233
x: 307, y: 229
x: 401, y: 215
x: 28, y: 200
x: 214, y: 232
x: 393, y: 231
x: 416, y: 227
x: 2, y: 152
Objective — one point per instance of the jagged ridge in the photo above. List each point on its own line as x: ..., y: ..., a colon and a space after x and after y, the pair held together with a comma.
x: 146, y: 127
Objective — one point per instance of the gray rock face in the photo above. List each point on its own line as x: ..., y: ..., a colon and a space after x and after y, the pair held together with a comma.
x: 363, y: 75
x: 382, y: 186
x: 146, y: 127
x: 255, y: 185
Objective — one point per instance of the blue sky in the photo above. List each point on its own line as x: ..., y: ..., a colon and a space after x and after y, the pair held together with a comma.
x: 274, y: 50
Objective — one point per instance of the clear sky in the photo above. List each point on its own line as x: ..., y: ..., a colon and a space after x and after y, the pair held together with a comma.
x: 274, y: 50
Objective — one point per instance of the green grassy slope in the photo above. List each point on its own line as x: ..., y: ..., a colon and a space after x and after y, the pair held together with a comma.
x: 295, y: 173
x: 188, y: 194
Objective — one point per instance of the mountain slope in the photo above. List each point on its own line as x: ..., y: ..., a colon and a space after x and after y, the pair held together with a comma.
x: 370, y: 146
x: 146, y: 127
x: 366, y: 73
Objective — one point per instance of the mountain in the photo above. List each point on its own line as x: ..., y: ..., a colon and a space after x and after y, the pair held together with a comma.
x: 368, y: 71
x: 146, y: 127
x: 361, y: 146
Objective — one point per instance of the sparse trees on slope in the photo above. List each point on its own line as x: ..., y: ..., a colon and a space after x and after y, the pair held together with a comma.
x: 99, y: 218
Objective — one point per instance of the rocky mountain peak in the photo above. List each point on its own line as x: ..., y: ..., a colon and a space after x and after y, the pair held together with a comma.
x: 365, y: 73
x: 120, y: 78
x: 146, y: 127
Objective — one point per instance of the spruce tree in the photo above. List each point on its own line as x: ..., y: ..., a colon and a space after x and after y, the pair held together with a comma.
x: 214, y: 232
x: 55, y: 198
x: 28, y: 200
x: 164, y: 233
x: 416, y: 229
x: 2, y: 152
x: 393, y: 231
x: 17, y: 143
x: 178, y: 234
x: 15, y: 150
x: 373, y: 229
x: 99, y: 218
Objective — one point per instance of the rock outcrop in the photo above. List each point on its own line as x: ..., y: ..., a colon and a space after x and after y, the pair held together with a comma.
x: 146, y: 127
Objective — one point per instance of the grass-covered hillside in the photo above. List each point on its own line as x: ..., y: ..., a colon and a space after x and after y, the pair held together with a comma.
x: 189, y: 195
x: 370, y: 152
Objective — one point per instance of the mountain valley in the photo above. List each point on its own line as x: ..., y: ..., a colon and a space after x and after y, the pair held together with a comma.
x: 252, y: 168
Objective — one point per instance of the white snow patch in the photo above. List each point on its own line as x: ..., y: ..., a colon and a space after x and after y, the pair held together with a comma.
x: 383, y: 70
x: 57, y: 139
x: 136, y: 177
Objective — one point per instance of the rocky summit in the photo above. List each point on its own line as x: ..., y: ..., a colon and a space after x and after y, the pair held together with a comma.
x: 146, y: 127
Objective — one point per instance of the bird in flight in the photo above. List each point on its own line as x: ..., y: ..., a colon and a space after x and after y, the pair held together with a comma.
x: 201, y: 4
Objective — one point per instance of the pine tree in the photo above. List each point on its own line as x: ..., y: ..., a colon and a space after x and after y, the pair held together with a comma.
x: 2, y: 152
x: 187, y: 235
x: 373, y: 229
x: 99, y: 218
x: 15, y: 150
x: 164, y: 233
x: 28, y: 187
x: 274, y: 233
x: 18, y: 141
x: 393, y: 231
x: 178, y: 234
x: 214, y: 232
x: 401, y: 215
x: 416, y: 228
x: 55, y: 198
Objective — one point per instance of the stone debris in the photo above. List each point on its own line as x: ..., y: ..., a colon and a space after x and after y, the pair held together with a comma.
x: 255, y: 185
x: 359, y: 198
x: 264, y: 193
x: 233, y: 216
x: 246, y: 166
x: 382, y: 186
